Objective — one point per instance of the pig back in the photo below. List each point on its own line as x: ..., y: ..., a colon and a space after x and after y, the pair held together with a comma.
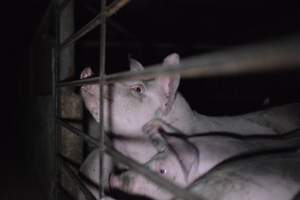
x: 271, y: 176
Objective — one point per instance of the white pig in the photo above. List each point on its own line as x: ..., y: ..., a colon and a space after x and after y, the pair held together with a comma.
x: 187, y: 159
x: 129, y: 105
x: 274, y: 176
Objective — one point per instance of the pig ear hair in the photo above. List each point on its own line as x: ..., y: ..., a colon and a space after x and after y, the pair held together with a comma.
x: 185, y: 151
x: 135, y: 65
x: 169, y: 84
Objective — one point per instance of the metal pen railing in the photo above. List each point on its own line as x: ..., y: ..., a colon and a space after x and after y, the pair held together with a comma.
x: 76, y: 179
x: 260, y: 58
x: 110, y: 10
x: 101, y: 95
x: 271, y: 56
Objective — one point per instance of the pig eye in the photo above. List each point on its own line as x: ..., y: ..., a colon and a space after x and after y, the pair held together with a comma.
x: 162, y: 171
x: 138, y: 89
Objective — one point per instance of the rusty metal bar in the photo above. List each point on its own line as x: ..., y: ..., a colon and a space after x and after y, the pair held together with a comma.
x: 101, y: 96
x: 266, y: 57
x: 118, y: 157
x: 76, y: 179
x: 112, y: 9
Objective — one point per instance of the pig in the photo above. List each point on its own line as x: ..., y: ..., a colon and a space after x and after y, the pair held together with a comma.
x: 273, y: 176
x: 188, y: 158
x: 129, y: 105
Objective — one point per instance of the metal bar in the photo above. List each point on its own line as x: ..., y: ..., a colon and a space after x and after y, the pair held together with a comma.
x: 55, y: 96
x: 111, y: 10
x: 64, y: 4
x: 78, y: 132
x: 44, y: 20
x: 88, y: 195
x: 79, y: 82
x: 272, y: 56
x: 118, y: 157
x: 267, y: 57
x: 101, y: 97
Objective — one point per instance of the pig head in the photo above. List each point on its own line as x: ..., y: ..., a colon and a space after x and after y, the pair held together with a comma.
x: 257, y: 177
x: 188, y: 158
x: 129, y: 105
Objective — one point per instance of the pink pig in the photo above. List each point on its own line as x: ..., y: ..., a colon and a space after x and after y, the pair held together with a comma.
x: 129, y: 105
x: 187, y: 159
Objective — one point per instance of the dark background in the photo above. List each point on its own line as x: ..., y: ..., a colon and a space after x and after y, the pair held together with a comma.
x: 153, y: 29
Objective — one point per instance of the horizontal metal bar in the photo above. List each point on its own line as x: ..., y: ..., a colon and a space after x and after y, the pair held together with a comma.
x: 111, y: 10
x: 273, y: 56
x: 118, y: 157
x: 78, y: 82
x: 80, y: 133
x: 76, y: 179
x: 267, y: 57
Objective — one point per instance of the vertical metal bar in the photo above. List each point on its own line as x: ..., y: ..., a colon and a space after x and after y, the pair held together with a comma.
x: 101, y: 96
x: 56, y: 95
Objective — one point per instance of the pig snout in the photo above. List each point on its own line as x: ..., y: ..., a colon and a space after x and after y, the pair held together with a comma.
x: 114, y: 182
x: 121, y: 182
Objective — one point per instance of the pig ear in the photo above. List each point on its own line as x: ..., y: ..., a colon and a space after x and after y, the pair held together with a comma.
x: 86, y: 72
x: 169, y: 84
x: 186, y: 152
x: 135, y: 65
x: 172, y: 59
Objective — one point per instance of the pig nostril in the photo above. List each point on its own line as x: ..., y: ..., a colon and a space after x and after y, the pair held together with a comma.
x: 119, y: 171
x: 162, y: 171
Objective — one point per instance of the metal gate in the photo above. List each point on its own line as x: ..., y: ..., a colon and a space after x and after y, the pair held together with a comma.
x: 269, y: 56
